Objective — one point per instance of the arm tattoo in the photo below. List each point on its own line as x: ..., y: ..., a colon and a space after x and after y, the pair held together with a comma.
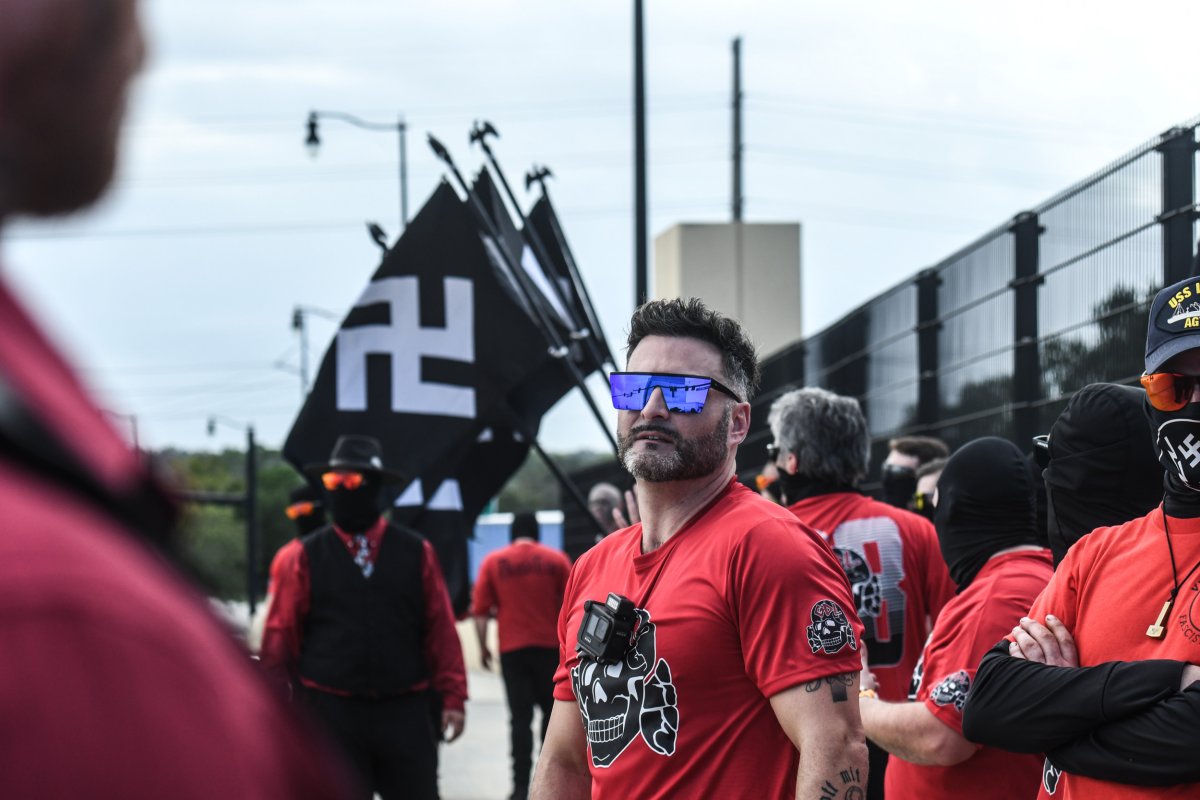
x: 838, y: 685
x: 850, y: 789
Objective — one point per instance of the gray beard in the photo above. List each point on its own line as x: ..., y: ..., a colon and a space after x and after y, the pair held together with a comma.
x: 690, y: 458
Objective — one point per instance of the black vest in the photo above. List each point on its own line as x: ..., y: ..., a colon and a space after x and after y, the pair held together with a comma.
x: 365, y: 635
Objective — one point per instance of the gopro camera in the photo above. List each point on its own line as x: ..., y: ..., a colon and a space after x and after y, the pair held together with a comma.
x: 607, y: 629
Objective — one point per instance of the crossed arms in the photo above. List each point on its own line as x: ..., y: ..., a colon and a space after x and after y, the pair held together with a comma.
x: 1126, y: 722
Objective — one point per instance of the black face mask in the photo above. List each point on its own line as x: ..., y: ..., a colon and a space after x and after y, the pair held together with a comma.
x: 899, y: 484
x: 985, y: 505
x: 1101, y: 469
x: 1177, y: 445
x: 355, y: 510
x: 800, y: 487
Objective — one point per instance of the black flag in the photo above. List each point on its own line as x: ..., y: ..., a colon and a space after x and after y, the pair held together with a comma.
x: 434, y: 344
x: 442, y: 361
x: 561, y: 268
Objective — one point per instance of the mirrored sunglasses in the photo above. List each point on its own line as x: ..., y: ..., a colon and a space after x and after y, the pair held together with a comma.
x: 682, y: 394
x: 298, y: 510
x: 346, y: 480
x: 1168, y: 391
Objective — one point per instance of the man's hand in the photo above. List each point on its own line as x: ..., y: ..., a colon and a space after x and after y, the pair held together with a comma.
x: 631, y: 504
x: 453, y: 723
x: 1050, y: 644
x: 485, y: 656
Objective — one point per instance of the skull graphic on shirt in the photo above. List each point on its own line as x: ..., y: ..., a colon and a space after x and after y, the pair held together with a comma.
x: 868, y: 597
x: 952, y: 690
x: 830, y: 631
x: 630, y: 697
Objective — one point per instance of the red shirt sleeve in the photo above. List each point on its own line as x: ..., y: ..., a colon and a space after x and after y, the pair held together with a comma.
x: 1061, y: 595
x: 280, y: 653
x: 443, y: 650
x: 779, y: 575
x: 483, y: 599
x: 948, y: 671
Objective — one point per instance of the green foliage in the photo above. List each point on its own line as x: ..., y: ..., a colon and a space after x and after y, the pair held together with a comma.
x: 214, y: 537
x: 534, y: 486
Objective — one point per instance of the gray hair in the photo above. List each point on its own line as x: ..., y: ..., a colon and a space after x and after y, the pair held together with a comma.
x: 825, y: 431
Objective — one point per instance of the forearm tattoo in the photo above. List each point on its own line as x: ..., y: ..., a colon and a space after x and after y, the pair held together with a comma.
x: 848, y: 786
x: 839, y: 685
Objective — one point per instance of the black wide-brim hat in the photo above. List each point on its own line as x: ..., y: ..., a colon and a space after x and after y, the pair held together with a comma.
x: 356, y: 454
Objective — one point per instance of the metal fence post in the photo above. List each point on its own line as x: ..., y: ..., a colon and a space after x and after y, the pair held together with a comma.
x: 1027, y: 367
x: 1178, y: 147
x: 928, y: 329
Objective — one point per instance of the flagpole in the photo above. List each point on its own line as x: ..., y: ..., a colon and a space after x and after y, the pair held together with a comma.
x: 558, y: 348
x: 538, y: 175
x: 563, y: 479
x: 479, y: 133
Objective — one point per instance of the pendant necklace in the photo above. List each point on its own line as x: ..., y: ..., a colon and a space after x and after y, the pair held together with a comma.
x: 1157, y: 631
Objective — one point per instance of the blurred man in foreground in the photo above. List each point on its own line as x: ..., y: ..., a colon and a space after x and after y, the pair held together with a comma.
x: 115, y: 679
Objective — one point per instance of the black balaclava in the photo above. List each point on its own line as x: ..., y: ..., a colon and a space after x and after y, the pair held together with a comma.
x: 1102, y: 469
x: 1176, y: 437
x: 899, y: 483
x: 985, y: 505
x: 355, y: 510
x: 1041, y: 518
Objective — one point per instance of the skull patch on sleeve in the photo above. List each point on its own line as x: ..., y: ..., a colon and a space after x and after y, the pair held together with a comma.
x: 830, y: 631
x: 631, y: 697
x: 952, y: 690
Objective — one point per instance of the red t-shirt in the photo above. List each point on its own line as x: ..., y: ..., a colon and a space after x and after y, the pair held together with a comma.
x: 115, y: 679
x: 1111, y: 587
x: 896, y: 572
x: 741, y: 604
x: 524, y: 584
x: 968, y: 627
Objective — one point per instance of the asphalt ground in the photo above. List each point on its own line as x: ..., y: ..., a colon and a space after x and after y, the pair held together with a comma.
x: 476, y: 767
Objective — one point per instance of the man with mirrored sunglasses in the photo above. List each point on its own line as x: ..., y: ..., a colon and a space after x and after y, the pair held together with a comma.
x: 738, y: 673
x: 360, y: 626
x: 1101, y: 675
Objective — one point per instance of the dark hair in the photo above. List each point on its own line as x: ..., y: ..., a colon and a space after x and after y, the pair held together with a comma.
x: 825, y: 431
x: 524, y: 525
x: 923, y: 448
x: 691, y: 318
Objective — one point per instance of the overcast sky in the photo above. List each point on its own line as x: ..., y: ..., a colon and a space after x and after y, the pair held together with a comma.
x: 895, y: 133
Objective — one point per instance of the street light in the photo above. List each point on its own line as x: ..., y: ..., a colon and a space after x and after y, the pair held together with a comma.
x: 250, y: 502
x: 313, y: 143
x: 300, y: 315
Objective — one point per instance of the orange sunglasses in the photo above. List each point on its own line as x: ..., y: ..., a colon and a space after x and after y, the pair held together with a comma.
x: 1168, y: 391
x: 347, y: 480
x: 298, y: 510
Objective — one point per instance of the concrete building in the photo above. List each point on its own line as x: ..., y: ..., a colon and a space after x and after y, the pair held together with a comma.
x: 750, y: 271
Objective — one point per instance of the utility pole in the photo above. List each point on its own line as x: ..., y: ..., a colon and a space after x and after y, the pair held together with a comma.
x: 641, y: 273
x: 737, y: 129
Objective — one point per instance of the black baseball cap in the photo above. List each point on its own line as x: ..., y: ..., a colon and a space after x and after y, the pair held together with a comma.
x: 1174, y: 323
